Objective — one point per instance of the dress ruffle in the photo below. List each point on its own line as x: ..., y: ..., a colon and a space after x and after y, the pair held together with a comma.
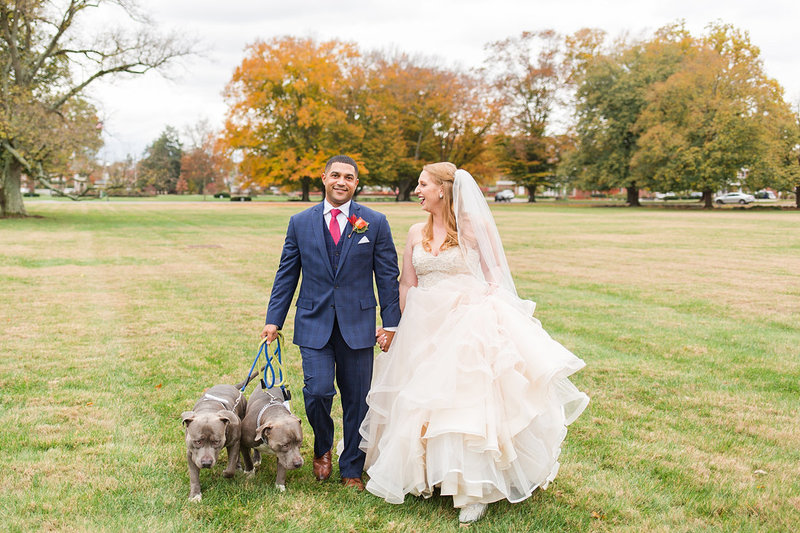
x: 473, y: 397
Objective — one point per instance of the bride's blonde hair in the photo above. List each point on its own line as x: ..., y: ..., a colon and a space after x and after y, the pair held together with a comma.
x: 443, y: 174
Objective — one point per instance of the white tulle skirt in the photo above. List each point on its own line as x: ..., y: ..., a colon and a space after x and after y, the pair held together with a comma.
x: 473, y: 397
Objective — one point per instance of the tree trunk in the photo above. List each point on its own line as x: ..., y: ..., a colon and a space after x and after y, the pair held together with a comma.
x: 306, y: 183
x: 707, y: 199
x: 404, y: 189
x: 797, y: 196
x: 531, y: 193
x: 632, y: 192
x: 11, y: 204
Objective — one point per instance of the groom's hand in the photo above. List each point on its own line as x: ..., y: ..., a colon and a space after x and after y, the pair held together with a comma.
x: 384, y: 338
x: 270, y: 331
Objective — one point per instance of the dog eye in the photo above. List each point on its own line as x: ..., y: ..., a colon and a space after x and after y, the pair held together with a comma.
x: 198, y: 443
x: 215, y: 442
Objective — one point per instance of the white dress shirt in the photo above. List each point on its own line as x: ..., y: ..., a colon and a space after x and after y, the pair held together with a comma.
x: 341, y: 219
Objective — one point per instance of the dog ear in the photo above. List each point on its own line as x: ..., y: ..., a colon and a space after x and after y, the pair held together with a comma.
x: 260, y: 430
x: 187, y: 417
x: 297, y: 418
x: 228, y: 417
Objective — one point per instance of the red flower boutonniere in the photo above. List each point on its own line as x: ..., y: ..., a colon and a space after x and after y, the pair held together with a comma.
x: 359, y: 225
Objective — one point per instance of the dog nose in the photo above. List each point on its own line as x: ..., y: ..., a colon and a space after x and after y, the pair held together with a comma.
x: 298, y: 463
x: 206, y: 463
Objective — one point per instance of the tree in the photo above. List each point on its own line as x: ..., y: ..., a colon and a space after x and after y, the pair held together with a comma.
x: 121, y: 176
x: 160, y: 168
x: 792, y: 175
x: 529, y: 78
x: 785, y: 151
x: 717, y: 114
x: 43, y: 53
x: 612, y: 90
x: 287, y: 109
x: 202, y: 166
x: 415, y: 112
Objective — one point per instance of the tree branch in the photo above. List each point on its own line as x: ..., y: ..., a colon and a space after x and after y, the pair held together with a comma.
x: 38, y: 174
x: 10, y: 34
x: 62, y: 27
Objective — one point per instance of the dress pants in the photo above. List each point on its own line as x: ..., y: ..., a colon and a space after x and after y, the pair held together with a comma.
x: 352, y: 370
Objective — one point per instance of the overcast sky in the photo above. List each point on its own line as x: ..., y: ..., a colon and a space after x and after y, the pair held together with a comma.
x: 136, y: 110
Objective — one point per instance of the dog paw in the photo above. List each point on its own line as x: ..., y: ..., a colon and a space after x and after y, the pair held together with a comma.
x: 228, y: 473
x: 250, y: 473
x: 281, y: 488
x: 196, y: 498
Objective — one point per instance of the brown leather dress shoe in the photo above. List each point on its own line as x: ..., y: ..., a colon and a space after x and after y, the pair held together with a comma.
x: 322, y: 466
x: 354, y: 482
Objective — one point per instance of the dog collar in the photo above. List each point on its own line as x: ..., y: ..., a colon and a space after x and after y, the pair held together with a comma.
x: 225, y: 403
x: 273, y: 402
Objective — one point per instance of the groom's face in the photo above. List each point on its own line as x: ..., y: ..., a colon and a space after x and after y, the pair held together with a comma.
x: 340, y: 183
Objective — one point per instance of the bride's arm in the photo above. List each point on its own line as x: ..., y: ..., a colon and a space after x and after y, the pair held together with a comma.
x: 408, y: 277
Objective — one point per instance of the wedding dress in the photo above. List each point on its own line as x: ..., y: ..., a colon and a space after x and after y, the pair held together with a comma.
x: 473, y: 396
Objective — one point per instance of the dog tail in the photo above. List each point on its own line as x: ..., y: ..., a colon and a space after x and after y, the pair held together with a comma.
x: 243, y: 384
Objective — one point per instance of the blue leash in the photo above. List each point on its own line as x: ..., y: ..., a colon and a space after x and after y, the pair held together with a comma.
x: 272, y: 364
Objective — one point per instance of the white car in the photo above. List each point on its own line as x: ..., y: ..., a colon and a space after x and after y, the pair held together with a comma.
x: 504, y: 196
x: 735, y: 198
x: 765, y: 195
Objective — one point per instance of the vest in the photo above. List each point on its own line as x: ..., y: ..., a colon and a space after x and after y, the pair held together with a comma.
x: 334, y: 250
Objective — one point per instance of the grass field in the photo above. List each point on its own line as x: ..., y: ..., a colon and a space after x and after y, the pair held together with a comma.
x: 114, y: 317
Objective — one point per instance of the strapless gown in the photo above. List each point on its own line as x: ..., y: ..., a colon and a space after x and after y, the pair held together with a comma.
x: 473, y: 396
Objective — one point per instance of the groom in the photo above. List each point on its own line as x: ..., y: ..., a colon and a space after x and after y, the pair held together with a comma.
x: 338, y: 246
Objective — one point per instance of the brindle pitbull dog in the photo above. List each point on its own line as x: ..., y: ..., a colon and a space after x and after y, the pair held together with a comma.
x: 268, y: 426
x: 214, y: 423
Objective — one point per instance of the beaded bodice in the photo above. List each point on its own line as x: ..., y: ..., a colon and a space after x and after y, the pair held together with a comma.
x: 431, y: 269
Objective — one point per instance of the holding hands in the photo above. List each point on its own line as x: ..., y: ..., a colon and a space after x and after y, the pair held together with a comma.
x: 384, y: 338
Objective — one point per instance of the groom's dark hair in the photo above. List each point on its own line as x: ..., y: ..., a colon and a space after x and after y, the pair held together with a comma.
x: 346, y: 159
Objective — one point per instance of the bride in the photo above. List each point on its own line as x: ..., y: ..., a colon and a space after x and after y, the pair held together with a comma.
x: 473, y: 396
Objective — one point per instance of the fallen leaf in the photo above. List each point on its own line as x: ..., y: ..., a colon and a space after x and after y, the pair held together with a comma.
x: 158, y: 386
x: 90, y: 403
x: 760, y: 472
x: 597, y: 515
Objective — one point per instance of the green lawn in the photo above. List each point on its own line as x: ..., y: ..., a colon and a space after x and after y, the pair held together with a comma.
x: 115, y: 316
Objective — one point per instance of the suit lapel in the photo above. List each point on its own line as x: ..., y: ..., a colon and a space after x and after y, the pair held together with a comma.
x: 318, y: 226
x: 355, y: 209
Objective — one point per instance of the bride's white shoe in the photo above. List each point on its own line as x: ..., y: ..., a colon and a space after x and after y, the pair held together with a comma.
x: 472, y: 512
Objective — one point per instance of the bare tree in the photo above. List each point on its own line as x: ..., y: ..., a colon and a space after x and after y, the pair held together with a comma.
x: 46, y: 63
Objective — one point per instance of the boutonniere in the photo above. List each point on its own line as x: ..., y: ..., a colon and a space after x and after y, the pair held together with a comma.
x: 359, y: 225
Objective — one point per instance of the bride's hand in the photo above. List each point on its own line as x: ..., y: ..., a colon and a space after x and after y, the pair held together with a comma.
x: 384, y: 338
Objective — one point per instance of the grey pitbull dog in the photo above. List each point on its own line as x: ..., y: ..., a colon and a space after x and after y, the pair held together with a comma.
x: 213, y: 424
x: 268, y: 426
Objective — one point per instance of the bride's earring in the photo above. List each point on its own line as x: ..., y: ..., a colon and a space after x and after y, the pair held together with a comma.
x: 441, y: 196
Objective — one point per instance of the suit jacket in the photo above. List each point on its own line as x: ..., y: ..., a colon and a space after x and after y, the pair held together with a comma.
x: 346, y: 294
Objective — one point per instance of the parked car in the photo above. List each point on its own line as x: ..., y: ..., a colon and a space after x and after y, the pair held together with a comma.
x: 222, y: 194
x: 735, y: 198
x: 765, y: 195
x: 237, y: 198
x: 504, y: 196
x: 666, y: 196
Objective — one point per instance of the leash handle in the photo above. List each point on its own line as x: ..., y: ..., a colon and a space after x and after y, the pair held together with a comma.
x: 272, y: 364
x: 255, y: 361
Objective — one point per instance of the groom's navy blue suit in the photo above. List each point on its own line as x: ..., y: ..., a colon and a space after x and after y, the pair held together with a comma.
x: 335, y: 316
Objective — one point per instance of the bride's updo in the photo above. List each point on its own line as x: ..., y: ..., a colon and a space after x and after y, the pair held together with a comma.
x: 443, y: 174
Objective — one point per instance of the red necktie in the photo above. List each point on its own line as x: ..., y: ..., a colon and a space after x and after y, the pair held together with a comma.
x: 334, y: 226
